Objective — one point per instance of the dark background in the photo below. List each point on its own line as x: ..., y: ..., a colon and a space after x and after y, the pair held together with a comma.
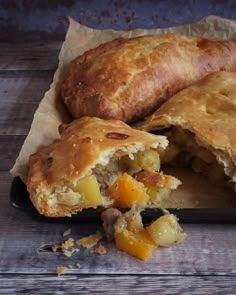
x: 40, y: 19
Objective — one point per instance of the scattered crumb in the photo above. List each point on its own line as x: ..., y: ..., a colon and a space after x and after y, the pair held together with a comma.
x: 89, y: 241
x: 67, y: 244
x: 55, y: 248
x: 67, y: 232
x: 61, y: 270
x: 66, y: 248
x: 99, y: 250
x: 70, y: 252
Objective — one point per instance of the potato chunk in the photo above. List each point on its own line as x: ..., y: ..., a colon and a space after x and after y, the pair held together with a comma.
x: 130, y: 165
x: 143, y: 160
x: 149, y: 160
x: 88, y: 187
x: 126, y: 191
x: 166, y: 231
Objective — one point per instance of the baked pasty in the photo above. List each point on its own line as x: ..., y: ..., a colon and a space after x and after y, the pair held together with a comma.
x: 200, y: 123
x: 127, y: 79
x: 95, y: 164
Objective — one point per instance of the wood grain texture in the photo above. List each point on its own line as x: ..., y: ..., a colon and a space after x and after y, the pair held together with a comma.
x: 38, y: 19
x: 32, y: 56
x: 25, y: 242
x: 20, y: 94
x: 105, y: 284
x: 9, y: 150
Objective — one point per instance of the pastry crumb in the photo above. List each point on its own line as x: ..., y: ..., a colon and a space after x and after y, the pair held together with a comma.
x: 66, y: 248
x: 69, y: 253
x: 67, y: 232
x: 89, y: 241
x: 67, y: 244
x: 55, y: 248
x: 99, y: 250
x: 61, y: 270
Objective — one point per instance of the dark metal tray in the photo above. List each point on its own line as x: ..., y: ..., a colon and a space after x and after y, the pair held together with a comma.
x: 20, y: 200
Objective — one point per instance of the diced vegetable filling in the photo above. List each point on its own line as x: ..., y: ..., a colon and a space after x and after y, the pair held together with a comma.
x: 183, y: 150
x: 123, y: 182
x: 126, y: 191
x: 132, y: 237
x: 121, y: 179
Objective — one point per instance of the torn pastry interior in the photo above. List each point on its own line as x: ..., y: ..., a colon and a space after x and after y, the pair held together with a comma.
x: 98, y: 163
x: 127, y: 79
x: 200, y: 124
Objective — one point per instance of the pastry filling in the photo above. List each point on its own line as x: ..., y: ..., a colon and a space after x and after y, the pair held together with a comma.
x: 184, y: 150
x: 133, y: 237
x: 124, y: 181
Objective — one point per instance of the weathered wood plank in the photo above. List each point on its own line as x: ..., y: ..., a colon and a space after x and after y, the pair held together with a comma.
x: 9, y: 149
x: 24, y: 242
x: 125, y: 284
x: 20, y: 95
x: 32, y: 56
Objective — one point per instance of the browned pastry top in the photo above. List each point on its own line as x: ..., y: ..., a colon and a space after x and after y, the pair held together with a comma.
x: 127, y: 79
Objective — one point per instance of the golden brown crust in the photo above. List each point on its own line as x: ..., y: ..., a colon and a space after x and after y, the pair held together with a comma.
x: 128, y: 78
x: 84, y: 143
x: 208, y: 109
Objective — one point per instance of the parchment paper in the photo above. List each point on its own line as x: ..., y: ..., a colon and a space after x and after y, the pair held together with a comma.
x: 51, y: 113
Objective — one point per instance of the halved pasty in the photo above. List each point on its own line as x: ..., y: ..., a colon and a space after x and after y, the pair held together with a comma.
x: 200, y: 123
x: 127, y: 79
x: 97, y: 163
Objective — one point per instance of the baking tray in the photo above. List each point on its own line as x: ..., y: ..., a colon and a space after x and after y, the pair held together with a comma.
x: 20, y: 200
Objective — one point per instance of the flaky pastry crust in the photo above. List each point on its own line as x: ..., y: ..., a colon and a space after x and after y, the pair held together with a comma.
x: 84, y: 143
x: 127, y: 79
x: 208, y: 110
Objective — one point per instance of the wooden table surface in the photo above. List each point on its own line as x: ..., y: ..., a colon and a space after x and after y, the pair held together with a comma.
x: 204, y: 264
